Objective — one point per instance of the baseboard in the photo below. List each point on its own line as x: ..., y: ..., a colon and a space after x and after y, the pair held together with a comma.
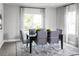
x: 1, y: 43
x: 11, y: 40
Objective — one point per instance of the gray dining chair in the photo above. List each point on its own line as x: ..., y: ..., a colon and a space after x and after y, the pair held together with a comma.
x: 59, y: 31
x: 32, y: 31
x: 41, y: 37
x: 25, y: 40
x: 41, y: 40
x: 60, y: 37
x: 54, y: 40
x: 54, y: 37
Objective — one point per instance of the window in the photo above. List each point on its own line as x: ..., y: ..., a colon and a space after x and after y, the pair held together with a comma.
x: 31, y: 18
x: 32, y: 21
x: 70, y: 22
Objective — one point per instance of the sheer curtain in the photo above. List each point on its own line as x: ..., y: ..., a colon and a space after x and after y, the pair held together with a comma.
x: 32, y: 11
x: 70, y: 21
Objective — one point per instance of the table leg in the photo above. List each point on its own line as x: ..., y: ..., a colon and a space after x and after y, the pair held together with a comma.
x: 30, y: 45
x: 61, y: 41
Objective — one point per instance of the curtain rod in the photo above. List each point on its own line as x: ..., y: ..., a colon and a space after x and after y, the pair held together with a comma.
x: 68, y: 4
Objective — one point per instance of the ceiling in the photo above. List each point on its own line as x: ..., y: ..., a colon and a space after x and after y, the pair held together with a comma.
x: 40, y: 5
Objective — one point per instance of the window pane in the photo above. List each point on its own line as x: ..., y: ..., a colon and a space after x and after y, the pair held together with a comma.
x: 32, y: 21
x: 71, y: 21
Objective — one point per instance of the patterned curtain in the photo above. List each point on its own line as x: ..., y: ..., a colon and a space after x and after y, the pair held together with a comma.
x: 77, y: 24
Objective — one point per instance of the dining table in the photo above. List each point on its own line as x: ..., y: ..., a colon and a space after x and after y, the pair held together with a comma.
x: 33, y: 36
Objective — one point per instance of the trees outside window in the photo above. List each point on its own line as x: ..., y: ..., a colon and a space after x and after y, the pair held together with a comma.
x: 32, y: 21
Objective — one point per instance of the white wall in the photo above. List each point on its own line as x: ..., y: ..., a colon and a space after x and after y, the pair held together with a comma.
x: 11, y: 28
x: 60, y: 18
x: 11, y: 21
x: 50, y: 18
x: 1, y: 31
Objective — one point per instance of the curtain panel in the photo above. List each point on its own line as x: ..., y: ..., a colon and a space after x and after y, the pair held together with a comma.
x: 70, y: 23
